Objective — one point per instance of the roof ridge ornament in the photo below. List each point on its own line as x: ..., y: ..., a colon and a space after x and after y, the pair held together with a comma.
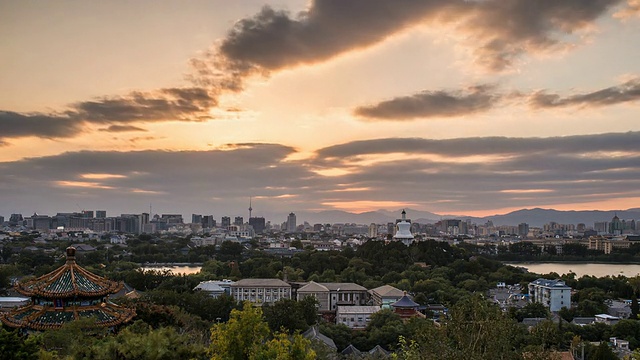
x: 71, y: 255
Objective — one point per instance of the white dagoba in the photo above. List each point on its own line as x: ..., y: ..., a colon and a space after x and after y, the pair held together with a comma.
x: 403, y: 230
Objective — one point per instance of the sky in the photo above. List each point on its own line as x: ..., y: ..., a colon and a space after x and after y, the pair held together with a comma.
x: 475, y: 107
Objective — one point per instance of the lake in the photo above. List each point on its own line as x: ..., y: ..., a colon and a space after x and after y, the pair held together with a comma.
x: 599, y: 270
x: 178, y: 270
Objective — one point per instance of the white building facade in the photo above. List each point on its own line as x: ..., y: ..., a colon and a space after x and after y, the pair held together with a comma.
x: 554, y: 294
x: 260, y: 291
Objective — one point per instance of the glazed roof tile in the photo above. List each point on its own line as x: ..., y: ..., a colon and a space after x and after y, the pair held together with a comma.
x: 69, y: 280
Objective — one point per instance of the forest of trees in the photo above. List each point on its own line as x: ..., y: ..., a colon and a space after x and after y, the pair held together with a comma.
x: 175, y: 322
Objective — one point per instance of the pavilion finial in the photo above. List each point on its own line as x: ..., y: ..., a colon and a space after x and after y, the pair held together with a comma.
x: 71, y: 254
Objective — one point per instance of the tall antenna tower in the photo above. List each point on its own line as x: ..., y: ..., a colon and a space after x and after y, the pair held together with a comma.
x: 250, y: 208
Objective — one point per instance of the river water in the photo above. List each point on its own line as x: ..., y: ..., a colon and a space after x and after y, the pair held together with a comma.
x: 580, y: 269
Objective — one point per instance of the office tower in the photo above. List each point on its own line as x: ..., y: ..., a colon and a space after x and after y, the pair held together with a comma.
x: 291, y: 223
x: 258, y: 224
x: 239, y: 220
x: 16, y: 219
x: 87, y: 214
x: 226, y: 222
x: 373, y: 230
x: 208, y: 222
x: 196, y: 219
x: 101, y: 214
x: 523, y: 229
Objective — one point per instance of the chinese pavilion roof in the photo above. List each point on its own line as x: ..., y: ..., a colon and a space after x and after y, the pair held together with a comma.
x: 405, y: 302
x: 69, y: 280
x: 43, y: 317
x: 66, y: 294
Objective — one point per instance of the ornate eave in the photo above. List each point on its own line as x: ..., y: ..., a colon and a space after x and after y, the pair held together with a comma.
x: 69, y: 280
x: 37, y: 317
x: 66, y: 294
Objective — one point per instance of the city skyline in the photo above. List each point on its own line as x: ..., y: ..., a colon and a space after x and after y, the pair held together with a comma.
x: 437, y: 105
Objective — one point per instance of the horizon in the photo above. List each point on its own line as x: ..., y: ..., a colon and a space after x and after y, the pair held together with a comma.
x: 440, y: 106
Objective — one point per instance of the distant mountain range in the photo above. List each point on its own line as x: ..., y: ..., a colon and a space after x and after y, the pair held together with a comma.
x: 534, y: 217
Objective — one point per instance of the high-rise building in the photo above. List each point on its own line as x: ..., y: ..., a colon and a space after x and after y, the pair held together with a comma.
x: 239, y: 220
x: 1, y: 220
x: 226, y: 222
x: 291, y: 223
x: 523, y: 229
x: 208, y: 222
x: 101, y: 214
x: 16, y: 219
x: 196, y: 219
x: 258, y: 224
x: 41, y: 222
x: 87, y: 213
x: 616, y: 226
x: 373, y: 230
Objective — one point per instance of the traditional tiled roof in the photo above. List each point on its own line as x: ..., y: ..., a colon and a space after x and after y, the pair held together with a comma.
x: 313, y: 286
x: 69, y: 280
x: 343, y: 287
x: 405, y: 302
x: 387, y: 291
x: 39, y: 317
x: 66, y: 294
x: 260, y: 283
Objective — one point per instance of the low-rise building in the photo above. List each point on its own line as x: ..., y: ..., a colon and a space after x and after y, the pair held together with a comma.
x: 385, y: 295
x: 554, y: 294
x: 318, y: 291
x: 215, y: 288
x: 355, y: 317
x: 346, y: 294
x: 607, y: 319
x: 260, y: 291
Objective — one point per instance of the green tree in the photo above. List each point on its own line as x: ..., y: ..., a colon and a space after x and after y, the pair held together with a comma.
x: 602, y: 352
x: 285, y: 315
x: 532, y: 310
x: 15, y: 346
x: 241, y: 336
x: 139, y: 341
x: 285, y: 347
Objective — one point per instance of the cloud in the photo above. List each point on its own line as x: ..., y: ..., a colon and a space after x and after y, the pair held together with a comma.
x: 499, y: 31
x: 502, y: 30
x: 627, y: 92
x: 15, y: 125
x: 632, y: 10
x: 170, y: 104
x: 454, y: 175
x: 187, y: 180
x: 482, y: 146
x: 122, y: 128
x: 432, y: 104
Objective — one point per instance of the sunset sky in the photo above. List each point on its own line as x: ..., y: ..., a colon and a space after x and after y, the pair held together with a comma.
x: 459, y: 107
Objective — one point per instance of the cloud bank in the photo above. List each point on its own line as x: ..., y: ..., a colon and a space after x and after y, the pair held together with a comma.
x: 432, y: 104
x: 625, y: 93
x: 171, y: 104
x: 455, y: 175
x: 499, y: 31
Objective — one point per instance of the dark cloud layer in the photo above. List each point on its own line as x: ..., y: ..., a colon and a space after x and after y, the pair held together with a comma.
x: 504, y: 146
x: 505, y: 29
x: 627, y: 92
x: 499, y: 30
x: 172, y: 104
x: 432, y: 104
x: 122, y: 128
x: 494, y: 173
